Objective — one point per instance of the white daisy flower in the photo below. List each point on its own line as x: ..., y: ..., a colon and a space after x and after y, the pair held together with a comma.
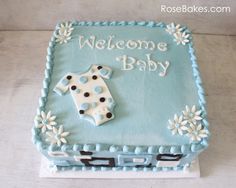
x: 177, y: 126
x: 66, y: 27
x: 196, y: 132
x: 172, y: 28
x: 45, y: 121
x: 181, y: 38
x: 64, y: 32
x: 192, y: 115
x: 57, y: 136
x: 63, y: 37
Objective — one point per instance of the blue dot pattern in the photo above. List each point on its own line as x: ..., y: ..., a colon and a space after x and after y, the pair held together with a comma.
x: 83, y: 79
x: 98, y: 89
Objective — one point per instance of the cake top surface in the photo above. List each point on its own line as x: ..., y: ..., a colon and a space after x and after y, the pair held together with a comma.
x: 121, y: 83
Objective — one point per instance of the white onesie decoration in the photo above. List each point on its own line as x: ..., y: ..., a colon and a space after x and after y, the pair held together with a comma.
x: 90, y: 93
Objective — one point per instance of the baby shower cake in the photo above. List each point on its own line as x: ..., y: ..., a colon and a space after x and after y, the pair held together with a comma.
x: 121, y: 96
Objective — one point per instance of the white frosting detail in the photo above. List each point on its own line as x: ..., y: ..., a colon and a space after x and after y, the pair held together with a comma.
x: 162, y: 46
x: 79, y: 157
x: 151, y: 64
x: 129, y: 63
x: 45, y: 121
x: 192, y: 115
x: 131, y: 44
x: 181, y: 38
x: 63, y: 37
x: 142, y: 65
x: 148, y: 45
x: 172, y: 28
x: 196, y: 132
x: 189, y: 124
x: 177, y: 126
x: 120, y: 45
x: 109, y: 44
x: 100, y: 44
x: 57, y: 154
x: 66, y: 27
x: 89, y: 42
x: 167, y: 163
x: 57, y: 136
x: 138, y: 160
x: 64, y: 32
x: 165, y: 66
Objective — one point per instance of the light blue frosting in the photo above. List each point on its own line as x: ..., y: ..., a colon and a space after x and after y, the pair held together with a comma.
x: 65, y: 82
x: 84, y: 106
x: 128, y: 88
x: 98, y: 89
x: 103, y: 72
x: 183, y: 79
x: 94, y: 104
x: 99, y: 116
x: 88, y: 147
x: 83, y: 79
x: 77, y: 90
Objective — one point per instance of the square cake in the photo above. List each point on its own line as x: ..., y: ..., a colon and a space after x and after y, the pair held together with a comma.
x: 121, y: 96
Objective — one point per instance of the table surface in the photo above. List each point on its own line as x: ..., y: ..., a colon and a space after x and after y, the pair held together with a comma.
x: 22, y: 63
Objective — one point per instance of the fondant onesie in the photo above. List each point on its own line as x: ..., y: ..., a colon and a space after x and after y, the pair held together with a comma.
x: 90, y: 93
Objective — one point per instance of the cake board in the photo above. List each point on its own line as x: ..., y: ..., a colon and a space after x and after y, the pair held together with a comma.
x: 191, y: 172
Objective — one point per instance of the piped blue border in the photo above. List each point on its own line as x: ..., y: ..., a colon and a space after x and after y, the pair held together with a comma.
x: 135, y: 169
x: 184, y: 149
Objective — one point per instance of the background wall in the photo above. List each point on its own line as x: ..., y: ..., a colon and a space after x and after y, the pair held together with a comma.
x: 44, y: 14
